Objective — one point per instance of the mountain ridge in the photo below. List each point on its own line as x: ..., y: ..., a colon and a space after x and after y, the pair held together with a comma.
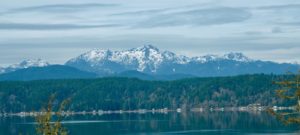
x: 24, y: 64
x: 45, y: 73
x: 149, y: 60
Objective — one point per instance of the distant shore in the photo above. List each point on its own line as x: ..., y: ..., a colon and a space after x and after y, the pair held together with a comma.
x: 249, y: 108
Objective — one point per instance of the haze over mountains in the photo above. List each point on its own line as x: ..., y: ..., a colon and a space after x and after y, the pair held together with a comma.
x: 146, y: 62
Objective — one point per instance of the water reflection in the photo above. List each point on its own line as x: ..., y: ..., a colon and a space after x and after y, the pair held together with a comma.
x: 170, y: 123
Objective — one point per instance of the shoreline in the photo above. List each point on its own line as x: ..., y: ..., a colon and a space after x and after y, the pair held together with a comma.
x: 144, y: 111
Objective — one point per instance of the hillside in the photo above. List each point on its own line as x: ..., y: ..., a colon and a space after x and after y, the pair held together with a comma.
x: 124, y: 93
x: 47, y: 72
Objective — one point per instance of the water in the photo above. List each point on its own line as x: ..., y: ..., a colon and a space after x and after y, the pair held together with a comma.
x: 208, y: 123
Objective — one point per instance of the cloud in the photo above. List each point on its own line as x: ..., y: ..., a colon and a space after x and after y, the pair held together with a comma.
x: 282, y: 15
x: 59, y: 8
x: 277, y: 30
x: 61, y: 48
x: 142, y: 12
x: 27, y: 26
x: 266, y: 32
x: 164, y: 17
x: 196, y: 17
x: 292, y: 23
x: 280, y: 7
x: 253, y: 33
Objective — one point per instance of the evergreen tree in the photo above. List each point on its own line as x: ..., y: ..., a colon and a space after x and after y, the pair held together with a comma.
x: 289, y: 90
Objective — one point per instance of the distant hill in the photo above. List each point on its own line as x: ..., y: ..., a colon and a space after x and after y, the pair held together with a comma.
x: 47, y: 72
x: 67, y: 72
x: 144, y: 76
x: 135, y: 74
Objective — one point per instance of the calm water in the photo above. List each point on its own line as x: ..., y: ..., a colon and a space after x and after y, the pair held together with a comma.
x: 209, y: 123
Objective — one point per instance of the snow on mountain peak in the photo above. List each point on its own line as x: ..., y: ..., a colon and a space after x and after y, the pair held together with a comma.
x: 146, y: 48
x: 236, y: 57
x: 24, y: 64
x: 146, y: 58
x: 230, y: 56
x: 206, y: 58
x: 32, y: 63
x: 96, y: 55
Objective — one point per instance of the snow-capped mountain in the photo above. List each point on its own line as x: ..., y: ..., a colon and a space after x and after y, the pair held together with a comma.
x: 24, y: 64
x: 149, y: 59
x: 145, y: 62
x: 230, y: 56
x: 144, y: 59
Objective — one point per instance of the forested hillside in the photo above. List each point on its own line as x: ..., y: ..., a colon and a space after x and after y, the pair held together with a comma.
x: 127, y: 94
x: 47, y: 72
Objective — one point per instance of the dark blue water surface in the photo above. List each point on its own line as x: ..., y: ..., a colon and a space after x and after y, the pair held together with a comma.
x: 191, y: 123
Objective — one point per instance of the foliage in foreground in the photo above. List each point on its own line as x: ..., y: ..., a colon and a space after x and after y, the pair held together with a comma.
x: 46, y: 126
x: 289, y: 90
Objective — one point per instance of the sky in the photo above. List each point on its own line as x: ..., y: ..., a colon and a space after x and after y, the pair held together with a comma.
x: 57, y: 30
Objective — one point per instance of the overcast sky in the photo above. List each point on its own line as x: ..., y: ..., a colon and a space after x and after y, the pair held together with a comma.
x: 57, y: 30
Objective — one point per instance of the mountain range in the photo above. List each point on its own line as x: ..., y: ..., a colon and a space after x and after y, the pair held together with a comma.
x: 24, y: 64
x: 150, y: 60
x: 147, y: 62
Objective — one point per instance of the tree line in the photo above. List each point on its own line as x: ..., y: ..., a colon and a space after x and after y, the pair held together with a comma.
x: 114, y: 93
